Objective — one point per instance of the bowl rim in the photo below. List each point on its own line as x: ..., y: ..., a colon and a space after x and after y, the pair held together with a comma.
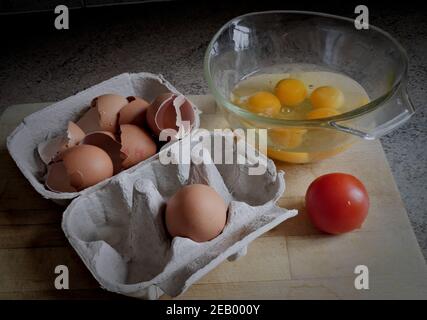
x: 321, y: 122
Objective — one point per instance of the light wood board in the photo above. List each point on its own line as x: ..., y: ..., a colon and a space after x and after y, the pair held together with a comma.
x: 292, y: 261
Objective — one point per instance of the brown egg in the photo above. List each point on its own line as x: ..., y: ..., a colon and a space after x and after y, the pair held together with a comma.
x: 102, y: 114
x: 168, y: 111
x: 57, y: 178
x: 86, y: 165
x: 197, y: 212
x: 49, y: 150
x: 107, y: 142
x: 134, y: 112
x: 137, y: 145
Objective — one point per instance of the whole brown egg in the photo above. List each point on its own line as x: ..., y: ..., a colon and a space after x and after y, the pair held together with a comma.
x: 197, y: 212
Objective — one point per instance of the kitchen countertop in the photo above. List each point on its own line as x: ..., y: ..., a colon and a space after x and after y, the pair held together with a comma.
x: 39, y: 63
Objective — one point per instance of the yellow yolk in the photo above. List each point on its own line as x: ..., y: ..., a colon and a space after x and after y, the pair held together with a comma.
x: 327, y: 97
x: 292, y: 157
x: 364, y: 101
x: 291, y: 92
x: 287, y: 138
x: 322, y: 113
x: 264, y: 102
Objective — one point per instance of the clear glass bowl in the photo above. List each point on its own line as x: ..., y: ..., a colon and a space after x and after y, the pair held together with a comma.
x: 268, y: 42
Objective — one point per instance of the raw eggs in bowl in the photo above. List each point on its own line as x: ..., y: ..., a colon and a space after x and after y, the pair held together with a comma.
x: 314, y: 81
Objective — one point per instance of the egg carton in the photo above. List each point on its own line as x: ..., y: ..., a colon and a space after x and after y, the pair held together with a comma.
x: 119, y: 230
x: 52, y: 121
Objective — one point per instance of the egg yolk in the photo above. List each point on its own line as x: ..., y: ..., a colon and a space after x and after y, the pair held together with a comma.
x: 364, y: 101
x: 237, y: 101
x: 322, y: 113
x: 264, y: 102
x: 291, y: 92
x: 287, y: 138
x: 286, y: 156
x: 327, y: 97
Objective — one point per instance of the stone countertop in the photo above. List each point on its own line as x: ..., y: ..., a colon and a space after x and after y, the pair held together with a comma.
x: 39, y: 63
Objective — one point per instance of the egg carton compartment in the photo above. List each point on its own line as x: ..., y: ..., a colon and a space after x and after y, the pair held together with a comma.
x: 120, y: 234
x: 52, y: 121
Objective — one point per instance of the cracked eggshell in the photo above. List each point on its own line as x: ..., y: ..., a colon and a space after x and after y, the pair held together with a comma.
x: 51, y: 121
x: 74, y: 134
x: 51, y: 149
x: 57, y: 178
x: 107, y: 142
x: 103, y: 114
x: 134, y: 112
x: 86, y: 165
x: 137, y: 145
x: 168, y: 111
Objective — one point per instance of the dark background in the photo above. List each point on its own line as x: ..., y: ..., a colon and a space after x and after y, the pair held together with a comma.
x: 39, y: 63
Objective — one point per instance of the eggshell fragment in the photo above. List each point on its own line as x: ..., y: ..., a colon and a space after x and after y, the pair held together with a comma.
x: 136, y: 144
x: 197, y: 212
x: 50, y: 150
x: 89, y: 122
x: 107, y: 142
x: 134, y: 112
x: 57, y: 178
x: 86, y: 165
x: 103, y: 113
x: 74, y: 134
x: 168, y: 111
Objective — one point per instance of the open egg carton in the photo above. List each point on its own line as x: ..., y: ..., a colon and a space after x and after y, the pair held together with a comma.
x: 51, y: 122
x: 117, y: 225
x: 120, y: 234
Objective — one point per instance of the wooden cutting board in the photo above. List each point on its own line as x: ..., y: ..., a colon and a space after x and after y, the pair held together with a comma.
x: 292, y: 261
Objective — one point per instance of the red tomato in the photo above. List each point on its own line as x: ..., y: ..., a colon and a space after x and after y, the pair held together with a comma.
x: 337, y: 203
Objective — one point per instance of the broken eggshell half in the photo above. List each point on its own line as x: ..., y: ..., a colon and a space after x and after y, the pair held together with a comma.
x: 134, y: 112
x: 102, y: 114
x: 170, y: 111
x: 57, y: 178
x: 137, y: 145
x: 107, y: 142
x: 49, y: 150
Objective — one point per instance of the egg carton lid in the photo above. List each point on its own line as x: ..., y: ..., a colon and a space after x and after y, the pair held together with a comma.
x: 119, y: 232
x: 52, y: 121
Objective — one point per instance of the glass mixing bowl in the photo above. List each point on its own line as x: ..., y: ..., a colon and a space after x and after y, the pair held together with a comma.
x: 269, y: 42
